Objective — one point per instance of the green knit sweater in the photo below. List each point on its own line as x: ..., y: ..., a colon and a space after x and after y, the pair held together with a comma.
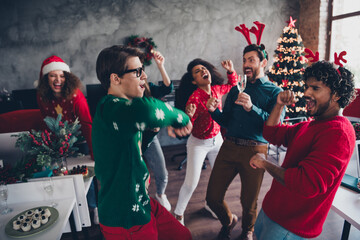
x: 116, y: 137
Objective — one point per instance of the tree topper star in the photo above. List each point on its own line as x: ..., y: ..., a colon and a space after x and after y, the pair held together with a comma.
x: 291, y: 22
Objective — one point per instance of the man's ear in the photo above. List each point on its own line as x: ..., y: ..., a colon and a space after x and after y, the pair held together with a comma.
x: 114, y: 79
x: 335, y: 97
x: 264, y: 63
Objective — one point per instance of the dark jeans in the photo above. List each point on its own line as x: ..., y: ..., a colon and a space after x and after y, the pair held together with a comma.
x: 232, y: 160
x: 91, y: 196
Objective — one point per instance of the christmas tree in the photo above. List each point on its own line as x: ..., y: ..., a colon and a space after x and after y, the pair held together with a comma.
x: 289, y: 66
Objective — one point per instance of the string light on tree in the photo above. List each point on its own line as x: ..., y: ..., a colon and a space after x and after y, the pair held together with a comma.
x: 289, y: 66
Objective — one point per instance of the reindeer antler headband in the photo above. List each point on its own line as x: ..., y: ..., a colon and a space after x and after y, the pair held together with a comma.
x: 315, y: 58
x: 340, y: 58
x: 256, y: 31
x: 310, y: 54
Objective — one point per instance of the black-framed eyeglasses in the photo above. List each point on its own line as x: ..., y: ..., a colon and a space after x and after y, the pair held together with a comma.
x: 138, y: 71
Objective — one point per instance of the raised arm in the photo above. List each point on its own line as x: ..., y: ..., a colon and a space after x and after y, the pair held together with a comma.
x: 221, y: 117
x: 228, y: 66
x: 284, y: 98
x: 160, y: 61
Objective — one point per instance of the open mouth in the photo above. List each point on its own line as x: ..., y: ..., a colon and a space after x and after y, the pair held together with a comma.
x: 205, y: 76
x: 310, y: 104
x: 248, y: 71
x: 142, y: 86
x: 57, y: 85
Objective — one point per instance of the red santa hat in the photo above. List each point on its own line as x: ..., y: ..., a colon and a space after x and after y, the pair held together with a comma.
x: 53, y: 63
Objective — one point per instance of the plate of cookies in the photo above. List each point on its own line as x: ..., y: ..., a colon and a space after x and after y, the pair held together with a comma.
x: 31, y: 221
x: 86, y: 171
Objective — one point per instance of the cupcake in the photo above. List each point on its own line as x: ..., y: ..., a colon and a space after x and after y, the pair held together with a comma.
x: 21, y: 217
x: 36, y: 224
x: 44, y: 219
x: 36, y: 216
x: 29, y: 213
x: 25, y: 227
x: 47, y: 212
x: 16, y: 224
x: 27, y: 220
x: 38, y: 210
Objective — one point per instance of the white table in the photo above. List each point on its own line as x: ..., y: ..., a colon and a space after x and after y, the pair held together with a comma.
x: 347, y: 205
x: 81, y: 186
x: 81, y: 213
x: 82, y: 206
x: 23, y: 196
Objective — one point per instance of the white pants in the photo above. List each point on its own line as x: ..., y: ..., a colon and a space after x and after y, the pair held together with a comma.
x: 197, y: 150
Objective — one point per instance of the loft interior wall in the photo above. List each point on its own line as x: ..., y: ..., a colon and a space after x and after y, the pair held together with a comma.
x: 77, y: 31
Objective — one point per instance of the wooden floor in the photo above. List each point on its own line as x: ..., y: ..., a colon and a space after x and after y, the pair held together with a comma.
x: 201, y: 224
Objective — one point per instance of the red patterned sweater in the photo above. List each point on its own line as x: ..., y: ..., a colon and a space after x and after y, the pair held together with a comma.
x: 204, y: 127
x: 76, y: 107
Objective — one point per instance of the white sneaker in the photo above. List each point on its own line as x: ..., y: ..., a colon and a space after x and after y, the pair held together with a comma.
x: 210, y: 211
x: 180, y: 219
x: 163, y: 201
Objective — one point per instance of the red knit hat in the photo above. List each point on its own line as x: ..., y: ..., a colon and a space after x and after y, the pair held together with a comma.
x: 53, y: 63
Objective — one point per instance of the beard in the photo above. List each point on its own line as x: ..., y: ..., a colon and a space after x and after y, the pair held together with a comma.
x: 320, y: 110
x: 254, y: 73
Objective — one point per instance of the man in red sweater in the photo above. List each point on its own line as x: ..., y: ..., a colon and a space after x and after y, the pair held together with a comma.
x: 318, y: 153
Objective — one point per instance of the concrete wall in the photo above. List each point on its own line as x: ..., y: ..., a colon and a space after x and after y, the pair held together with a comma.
x: 32, y: 30
x: 77, y: 30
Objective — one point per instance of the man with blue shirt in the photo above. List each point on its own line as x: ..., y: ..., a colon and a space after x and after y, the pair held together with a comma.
x: 243, y: 117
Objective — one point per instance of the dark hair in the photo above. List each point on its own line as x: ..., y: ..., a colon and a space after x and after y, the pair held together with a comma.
x: 342, y: 84
x: 72, y: 82
x: 113, y: 60
x: 262, y: 54
x: 186, y: 88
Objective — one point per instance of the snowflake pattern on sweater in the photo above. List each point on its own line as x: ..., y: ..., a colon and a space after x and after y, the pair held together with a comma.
x: 117, y: 135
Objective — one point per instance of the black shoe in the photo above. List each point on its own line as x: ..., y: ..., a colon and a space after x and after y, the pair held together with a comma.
x: 246, y: 235
x: 225, y: 231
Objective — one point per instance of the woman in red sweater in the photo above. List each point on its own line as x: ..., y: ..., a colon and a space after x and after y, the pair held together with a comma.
x: 201, y: 82
x: 59, y: 92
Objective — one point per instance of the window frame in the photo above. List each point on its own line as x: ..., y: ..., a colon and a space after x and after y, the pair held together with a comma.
x: 332, y: 18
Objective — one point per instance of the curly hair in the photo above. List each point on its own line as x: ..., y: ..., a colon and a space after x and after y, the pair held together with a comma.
x: 341, y: 83
x: 186, y: 87
x: 72, y: 82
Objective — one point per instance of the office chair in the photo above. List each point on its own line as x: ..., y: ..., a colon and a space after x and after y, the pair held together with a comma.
x: 94, y: 92
x: 26, y: 97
